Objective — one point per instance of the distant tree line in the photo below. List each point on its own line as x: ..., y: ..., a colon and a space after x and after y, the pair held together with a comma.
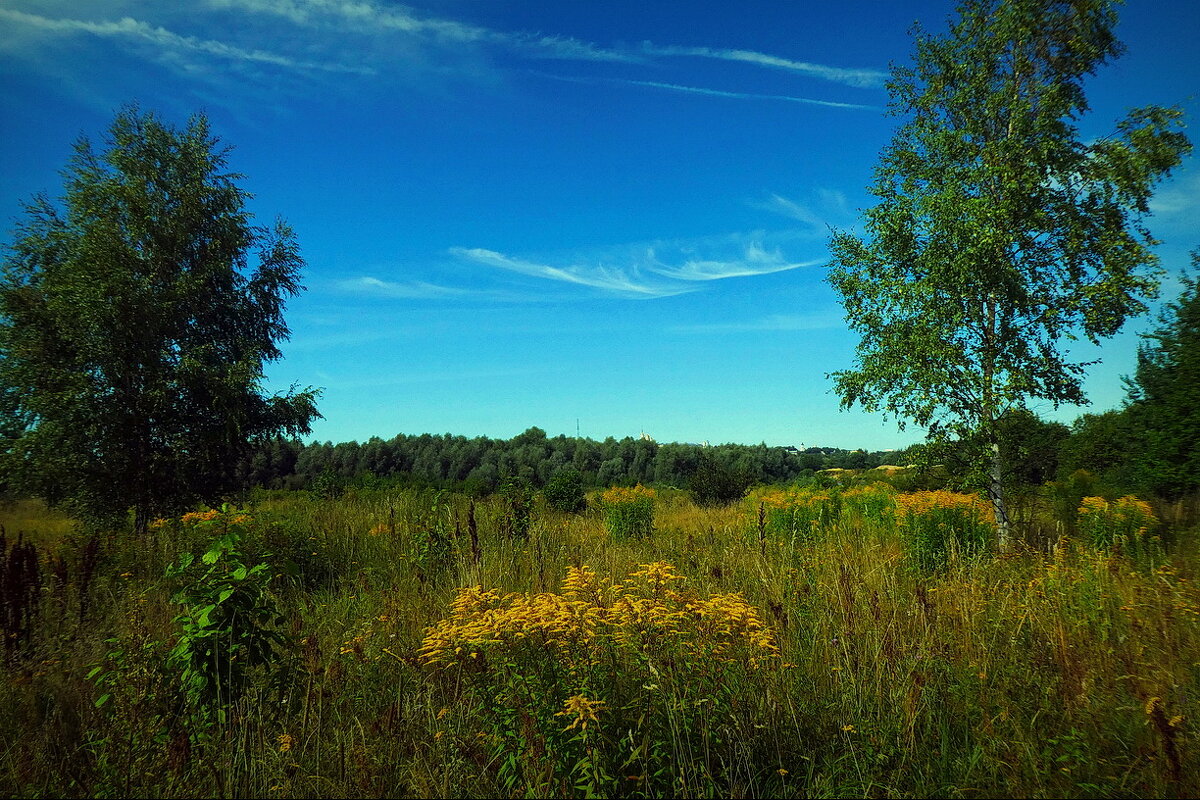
x: 1151, y: 445
x: 479, y: 465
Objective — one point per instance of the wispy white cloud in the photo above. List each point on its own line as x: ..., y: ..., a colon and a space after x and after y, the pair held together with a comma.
x: 370, y: 17
x: 745, y: 95
x: 1180, y: 197
x: 128, y: 27
x: 610, y: 279
x: 674, y: 87
x: 861, y: 78
x: 827, y: 207
x: 791, y: 209
x: 773, y: 322
x: 370, y: 38
x: 755, y: 261
x: 659, y: 269
x: 414, y: 290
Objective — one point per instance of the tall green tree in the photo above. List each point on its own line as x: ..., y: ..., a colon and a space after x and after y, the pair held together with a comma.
x: 133, y: 334
x: 1000, y: 230
x: 1164, y: 397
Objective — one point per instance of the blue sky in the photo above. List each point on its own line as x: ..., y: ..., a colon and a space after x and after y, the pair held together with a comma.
x: 612, y: 215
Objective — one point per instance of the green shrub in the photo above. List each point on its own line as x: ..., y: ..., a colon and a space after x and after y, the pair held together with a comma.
x: 715, y: 484
x: 564, y: 492
x: 517, y: 498
x: 230, y: 625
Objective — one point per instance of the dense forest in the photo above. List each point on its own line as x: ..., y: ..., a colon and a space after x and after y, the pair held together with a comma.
x: 1133, y: 448
x: 478, y: 465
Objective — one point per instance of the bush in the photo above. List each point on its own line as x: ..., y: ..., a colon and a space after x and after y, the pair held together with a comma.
x: 564, y: 492
x: 517, y: 515
x: 230, y: 625
x: 714, y: 484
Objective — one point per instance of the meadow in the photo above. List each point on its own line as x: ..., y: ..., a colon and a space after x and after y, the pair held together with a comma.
x: 806, y: 641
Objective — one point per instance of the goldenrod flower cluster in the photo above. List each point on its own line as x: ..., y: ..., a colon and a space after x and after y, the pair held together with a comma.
x: 939, y: 525
x: 793, y: 511
x: 193, y: 517
x: 791, y: 498
x: 590, y: 615
x: 920, y: 504
x: 1126, y: 522
x: 582, y: 709
x: 628, y: 511
x: 1129, y: 509
x: 620, y: 495
x: 229, y: 515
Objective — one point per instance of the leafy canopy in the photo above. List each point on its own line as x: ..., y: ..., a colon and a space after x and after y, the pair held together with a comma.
x: 133, y: 334
x: 1164, y: 396
x: 1000, y: 231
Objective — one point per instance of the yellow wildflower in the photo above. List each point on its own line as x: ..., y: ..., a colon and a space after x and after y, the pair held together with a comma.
x: 583, y: 709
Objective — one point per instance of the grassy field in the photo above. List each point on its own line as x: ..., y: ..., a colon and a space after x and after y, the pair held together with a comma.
x: 802, y: 644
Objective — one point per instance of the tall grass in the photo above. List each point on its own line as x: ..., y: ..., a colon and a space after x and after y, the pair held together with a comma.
x: 1067, y: 672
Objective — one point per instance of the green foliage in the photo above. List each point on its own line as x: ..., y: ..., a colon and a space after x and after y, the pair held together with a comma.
x: 432, y: 542
x: 1067, y: 493
x: 475, y: 465
x: 1165, y: 397
x: 1104, y: 445
x: 1030, y: 447
x: 328, y: 485
x: 1125, y: 525
x: 230, y: 626
x: 564, y: 492
x: 714, y: 483
x: 999, y: 230
x: 516, y: 497
x: 940, y: 528
x: 132, y: 338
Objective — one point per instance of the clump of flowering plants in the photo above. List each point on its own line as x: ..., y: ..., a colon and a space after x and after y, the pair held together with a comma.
x: 798, y: 513
x: 875, y: 501
x: 940, y: 525
x: 628, y: 511
x: 604, y: 677
x: 1125, y: 525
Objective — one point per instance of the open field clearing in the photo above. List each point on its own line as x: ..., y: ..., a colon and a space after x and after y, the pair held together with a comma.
x: 800, y: 643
